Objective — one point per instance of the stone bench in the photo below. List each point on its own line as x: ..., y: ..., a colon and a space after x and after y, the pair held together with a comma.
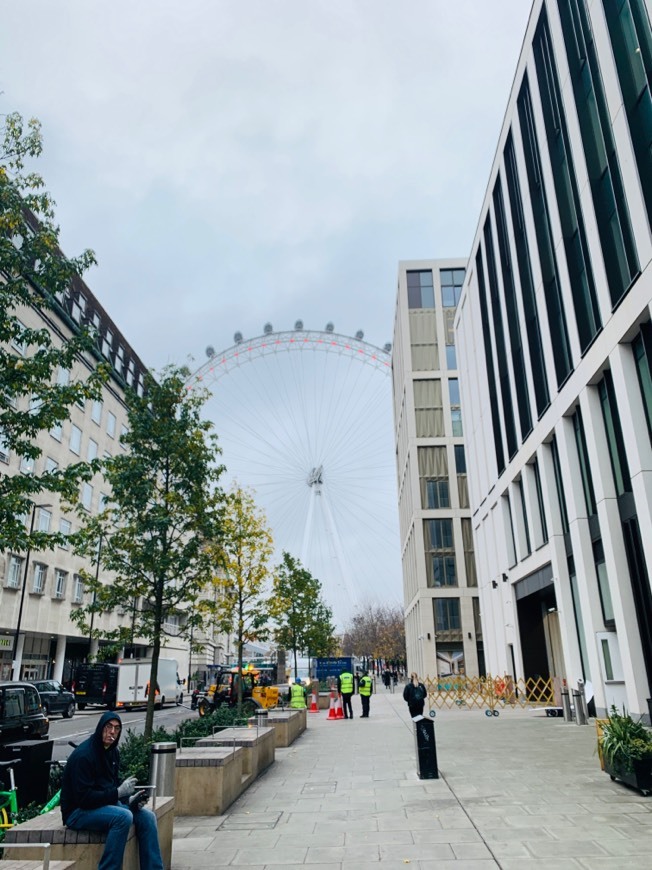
x: 257, y: 744
x: 287, y: 725
x: 36, y: 865
x: 208, y: 779
x: 83, y: 848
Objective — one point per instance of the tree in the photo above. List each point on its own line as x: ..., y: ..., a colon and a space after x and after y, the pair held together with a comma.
x: 164, y: 511
x: 34, y: 274
x: 377, y: 631
x: 243, y: 557
x: 303, y: 620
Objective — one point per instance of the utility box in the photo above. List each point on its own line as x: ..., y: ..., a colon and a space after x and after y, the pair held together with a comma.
x: 426, y: 748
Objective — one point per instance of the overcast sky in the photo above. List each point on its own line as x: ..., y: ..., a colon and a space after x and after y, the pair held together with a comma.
x: 233, y: 162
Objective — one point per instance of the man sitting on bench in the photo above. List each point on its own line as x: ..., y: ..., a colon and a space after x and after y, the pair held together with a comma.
x: 93, y: 799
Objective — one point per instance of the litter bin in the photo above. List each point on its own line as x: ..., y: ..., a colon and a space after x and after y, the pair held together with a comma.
x: 424, y: 739
x: 163, y: 766
x: 32, y: 775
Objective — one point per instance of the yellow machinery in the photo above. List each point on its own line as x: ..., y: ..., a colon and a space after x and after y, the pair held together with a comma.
x: 255, y: 692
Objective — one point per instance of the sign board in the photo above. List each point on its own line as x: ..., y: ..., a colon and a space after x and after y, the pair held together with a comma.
x: 333, y: 667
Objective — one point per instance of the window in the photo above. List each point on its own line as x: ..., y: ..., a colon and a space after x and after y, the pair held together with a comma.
x: 456, y: 411
x: 585, y: 467
x: 77, y: 589
x: 451, y: 286
x: 4, y: 449
x: 460, y: 459
x: 87, y: 496
x: 65, y: 528
x: 91, y: 451
x: 469, y: 553
x: 421, y: 293
x: 14, y: 572
x: 603, y: 585
x: 110, y: 425
x: 642, y: 347
x: 607, y: 188
x: 123, y: 434
x: 447, y: 614
x: 40, y: 572
x: 462, y: 483
x: 17, y: 342
x: 451, y: 357
x: 606, y: 657
x: 44, y: 520
x: 628, y: 22
x: 559, y: 481
x: 540, y: 503
x: 63, y: 377
x: 423, y: 340
x: 428, y: 408
x: 489, y: 365
x: 614, y: 433
x: 526, y: 525
x: 440, y: 553
x: 27, y: 464
x: 51, y: 464
x: 56, y: 432
x: 433, y: 477
x: 75, y: 439
x: 96, y: 411
x: 60, y: 578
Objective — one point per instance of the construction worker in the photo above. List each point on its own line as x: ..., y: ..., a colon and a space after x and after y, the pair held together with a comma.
x: 365, y: 688
x: 297, y: 696
x: 345, y: 688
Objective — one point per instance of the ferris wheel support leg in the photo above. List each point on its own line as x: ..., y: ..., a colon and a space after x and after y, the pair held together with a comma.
x: 339, y: 552
x: 307, y: 532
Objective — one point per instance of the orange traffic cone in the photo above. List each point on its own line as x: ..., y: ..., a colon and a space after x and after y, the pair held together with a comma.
x: 313, y: 703
x: 331, y: 710
x: 339, y: 711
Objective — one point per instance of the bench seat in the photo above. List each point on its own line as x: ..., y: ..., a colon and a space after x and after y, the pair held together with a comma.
x: 207, y: 779
x: 287, y: 725
x: 257, y: 744
x: 84, y: 848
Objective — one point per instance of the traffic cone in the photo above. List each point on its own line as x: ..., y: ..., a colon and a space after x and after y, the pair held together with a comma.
x: 313, y: 704
x: 339, y: 711
x: 331, y: 710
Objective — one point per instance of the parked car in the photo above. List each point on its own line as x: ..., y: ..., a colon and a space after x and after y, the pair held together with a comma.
x: 55, y: 699
x: 21, y: 713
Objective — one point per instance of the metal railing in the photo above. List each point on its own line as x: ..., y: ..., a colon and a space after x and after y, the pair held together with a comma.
x: 493, y: 693
x: 45, y: 846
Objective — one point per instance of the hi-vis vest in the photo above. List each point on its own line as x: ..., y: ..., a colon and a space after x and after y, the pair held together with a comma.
x: 346, y: 683
x: 297, y: 697
x: 365, y: 686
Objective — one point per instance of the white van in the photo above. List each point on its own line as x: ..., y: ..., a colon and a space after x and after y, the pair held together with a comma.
x: 133, y: 683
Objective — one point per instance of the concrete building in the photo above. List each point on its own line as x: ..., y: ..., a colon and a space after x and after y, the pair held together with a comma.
x: 554, y: 340
x: 443, y: 633
x: 45, y: 587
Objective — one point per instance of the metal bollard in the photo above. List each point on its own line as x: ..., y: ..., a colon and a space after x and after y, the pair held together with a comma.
x: 580, y: 713
x: 164, y: 757
x: 261, y: 718
x: 566, y: 705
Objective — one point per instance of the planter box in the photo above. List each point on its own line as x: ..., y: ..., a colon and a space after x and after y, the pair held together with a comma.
x: 640, y: 777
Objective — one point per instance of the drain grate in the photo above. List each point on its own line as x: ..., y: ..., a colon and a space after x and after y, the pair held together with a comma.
x: 319, y: 788
x: 250, y: 822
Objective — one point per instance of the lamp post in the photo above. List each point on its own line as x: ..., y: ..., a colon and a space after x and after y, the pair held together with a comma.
x: 14, y: 664
x: 97, y: 576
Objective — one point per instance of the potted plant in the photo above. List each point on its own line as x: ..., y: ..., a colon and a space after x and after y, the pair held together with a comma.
x: 626, y: 747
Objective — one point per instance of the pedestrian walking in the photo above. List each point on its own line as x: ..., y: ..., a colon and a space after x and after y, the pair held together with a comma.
x: 365, y: 688
x: 415, y: 694
x: 345, y: 688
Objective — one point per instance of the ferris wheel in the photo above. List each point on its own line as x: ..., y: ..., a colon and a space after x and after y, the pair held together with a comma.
x: 304, y: 418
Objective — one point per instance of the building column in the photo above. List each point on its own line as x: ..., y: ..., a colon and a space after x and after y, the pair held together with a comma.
x: 59, y: 658
x: 18, y: 660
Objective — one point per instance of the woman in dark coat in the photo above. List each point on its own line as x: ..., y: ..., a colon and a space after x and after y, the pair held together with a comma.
x: 415, y: 695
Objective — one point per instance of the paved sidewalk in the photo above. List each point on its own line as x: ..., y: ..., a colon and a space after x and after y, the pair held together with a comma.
x: 515, y: 791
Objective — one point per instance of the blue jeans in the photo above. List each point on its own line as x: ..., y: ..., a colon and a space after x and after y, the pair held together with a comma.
x: 115, y: 820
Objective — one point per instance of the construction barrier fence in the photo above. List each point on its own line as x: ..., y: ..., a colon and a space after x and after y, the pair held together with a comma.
x: 491, y: 693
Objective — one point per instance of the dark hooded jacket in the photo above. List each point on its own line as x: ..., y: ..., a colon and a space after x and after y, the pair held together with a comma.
x: 91, y: 774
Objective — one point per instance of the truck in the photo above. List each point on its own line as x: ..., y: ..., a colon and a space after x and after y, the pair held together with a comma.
x: 126, y: 684
x: 257, y: 691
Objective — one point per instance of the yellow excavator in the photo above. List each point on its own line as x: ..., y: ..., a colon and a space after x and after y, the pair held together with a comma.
x: 256, y: 694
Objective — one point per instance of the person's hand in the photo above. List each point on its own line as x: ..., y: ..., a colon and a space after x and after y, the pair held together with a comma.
x: 127, y: 788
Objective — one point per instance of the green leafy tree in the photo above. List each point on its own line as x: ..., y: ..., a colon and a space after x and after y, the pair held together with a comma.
x: 303, y: 620
x: 244, y: 557
x: 164, y: 511
x: 34, y: 274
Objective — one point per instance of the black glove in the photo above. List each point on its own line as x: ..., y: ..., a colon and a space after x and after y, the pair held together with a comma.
x: 138, y: 800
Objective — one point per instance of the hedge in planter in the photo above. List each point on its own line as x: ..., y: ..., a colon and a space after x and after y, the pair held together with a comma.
x: 626, y: 747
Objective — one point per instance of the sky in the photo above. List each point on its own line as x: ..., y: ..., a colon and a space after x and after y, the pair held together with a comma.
x: 237, y: 162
